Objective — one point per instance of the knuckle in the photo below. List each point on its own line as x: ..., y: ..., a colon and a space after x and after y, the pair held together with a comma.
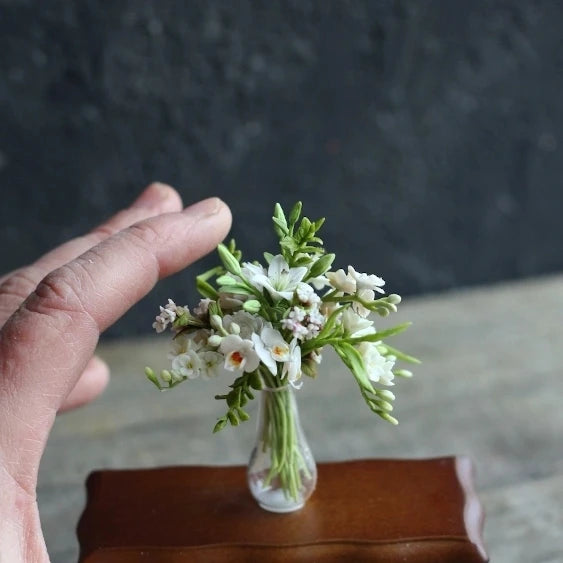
x: 59, y: 291
x: 20, y: 284
x: 102, y: 232
x: 142, y: 233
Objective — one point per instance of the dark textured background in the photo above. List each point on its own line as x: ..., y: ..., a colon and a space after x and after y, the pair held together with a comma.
x: 427, y: 132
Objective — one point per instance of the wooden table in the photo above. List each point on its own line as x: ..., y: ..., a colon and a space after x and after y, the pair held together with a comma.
x: 490, y: 387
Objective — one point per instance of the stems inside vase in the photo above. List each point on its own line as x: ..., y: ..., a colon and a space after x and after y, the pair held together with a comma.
x: 282, y: 471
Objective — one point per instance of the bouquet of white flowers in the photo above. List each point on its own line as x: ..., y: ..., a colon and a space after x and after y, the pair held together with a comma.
x: 268, y: 325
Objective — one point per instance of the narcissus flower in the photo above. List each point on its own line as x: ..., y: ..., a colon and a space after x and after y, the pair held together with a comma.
x: 239, y: 354
x: 280, y: 281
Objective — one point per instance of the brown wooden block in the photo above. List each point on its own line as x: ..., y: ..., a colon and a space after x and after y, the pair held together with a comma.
x: 417, y: 511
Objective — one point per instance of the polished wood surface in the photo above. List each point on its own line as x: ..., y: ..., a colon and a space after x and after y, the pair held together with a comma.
x: 490, y: 387
x: 365, y: 511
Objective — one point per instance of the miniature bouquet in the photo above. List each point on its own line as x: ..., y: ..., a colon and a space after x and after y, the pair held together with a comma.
x: 267, y: 326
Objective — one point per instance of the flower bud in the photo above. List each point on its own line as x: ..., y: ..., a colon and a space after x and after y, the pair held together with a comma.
x: 230, y: 263
x: 176, y: 377
x: 252, y: 306
x: 394, y: 298
x: 386, y: 394
x: 384, y: 405
x: 386, y: 416
x: 221, y: 423
x: 216, y: 322
x: 214, y: 340
x: 226, y: 280
x: 166, y: 376
x: 403, y: 372
x: 234, y: 328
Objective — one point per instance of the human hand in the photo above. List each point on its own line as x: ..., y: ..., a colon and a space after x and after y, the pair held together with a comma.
x: 51, y: 315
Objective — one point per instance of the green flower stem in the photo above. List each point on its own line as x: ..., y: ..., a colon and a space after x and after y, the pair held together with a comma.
x: 279, y: 436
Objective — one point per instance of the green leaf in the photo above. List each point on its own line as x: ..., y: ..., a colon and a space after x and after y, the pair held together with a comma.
x: 321, y: 266
x: 289, y: 244
x: 206, y: 289
x: 221, y: 423
x: 282, y: 226
x: 295, y: 213
x: 352, y: 358
x: 236, y: 288
x: 303, y: 261
x: 280, y: 215
x: 225, y: 280
x: 319, y: 223
x: 233, y: 399
x: 312, y: 249
x: 229, y: 261
x: 218, y: 270
x: 304, y: 228
x: 268, y: 257
x: 232, y: 418
x: 255, y: 380
x: 380, y: 335
x: 401, y: 355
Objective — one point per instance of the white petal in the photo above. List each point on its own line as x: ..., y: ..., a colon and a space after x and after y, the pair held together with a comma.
x: 277, y: 266
x: 263, y: 354
x: 296, y: 275
x: 252, y: 361
x: 230, y: 343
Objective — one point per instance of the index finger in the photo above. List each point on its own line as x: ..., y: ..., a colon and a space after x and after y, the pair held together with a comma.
x: 46, y: 344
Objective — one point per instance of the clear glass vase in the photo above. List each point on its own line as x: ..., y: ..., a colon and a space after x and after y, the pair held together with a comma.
x: 282, y: 473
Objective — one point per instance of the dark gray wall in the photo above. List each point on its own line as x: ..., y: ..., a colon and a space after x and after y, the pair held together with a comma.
x: 429, y: 133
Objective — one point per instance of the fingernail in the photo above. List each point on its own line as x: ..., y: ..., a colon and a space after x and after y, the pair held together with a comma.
x: 205, y: 208
x: 153, y: 196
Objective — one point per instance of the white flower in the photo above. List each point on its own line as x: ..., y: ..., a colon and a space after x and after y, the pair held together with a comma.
x: 342, y: 281
x: 304, y: 324
x: 212, y: 363
x: 328, y: 307
x: 247, y: 322
x: 203, y: 307
x: 356, y: 325
x: 189, y: 341
x: 306, y: 295
x: 315, y: 322
x: 319, y: 282
x: 167, y: 315
x: 188, y: 364
x: 271, y: 348
x: 378, y: 367
x: 251, y: 271
x: 367, y: 295
x: 317, y: 357
x: 292, y: 367
x: 294, y: 322
x: 365, y: 281
x: 280, y: 281
x: 239, y: 353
